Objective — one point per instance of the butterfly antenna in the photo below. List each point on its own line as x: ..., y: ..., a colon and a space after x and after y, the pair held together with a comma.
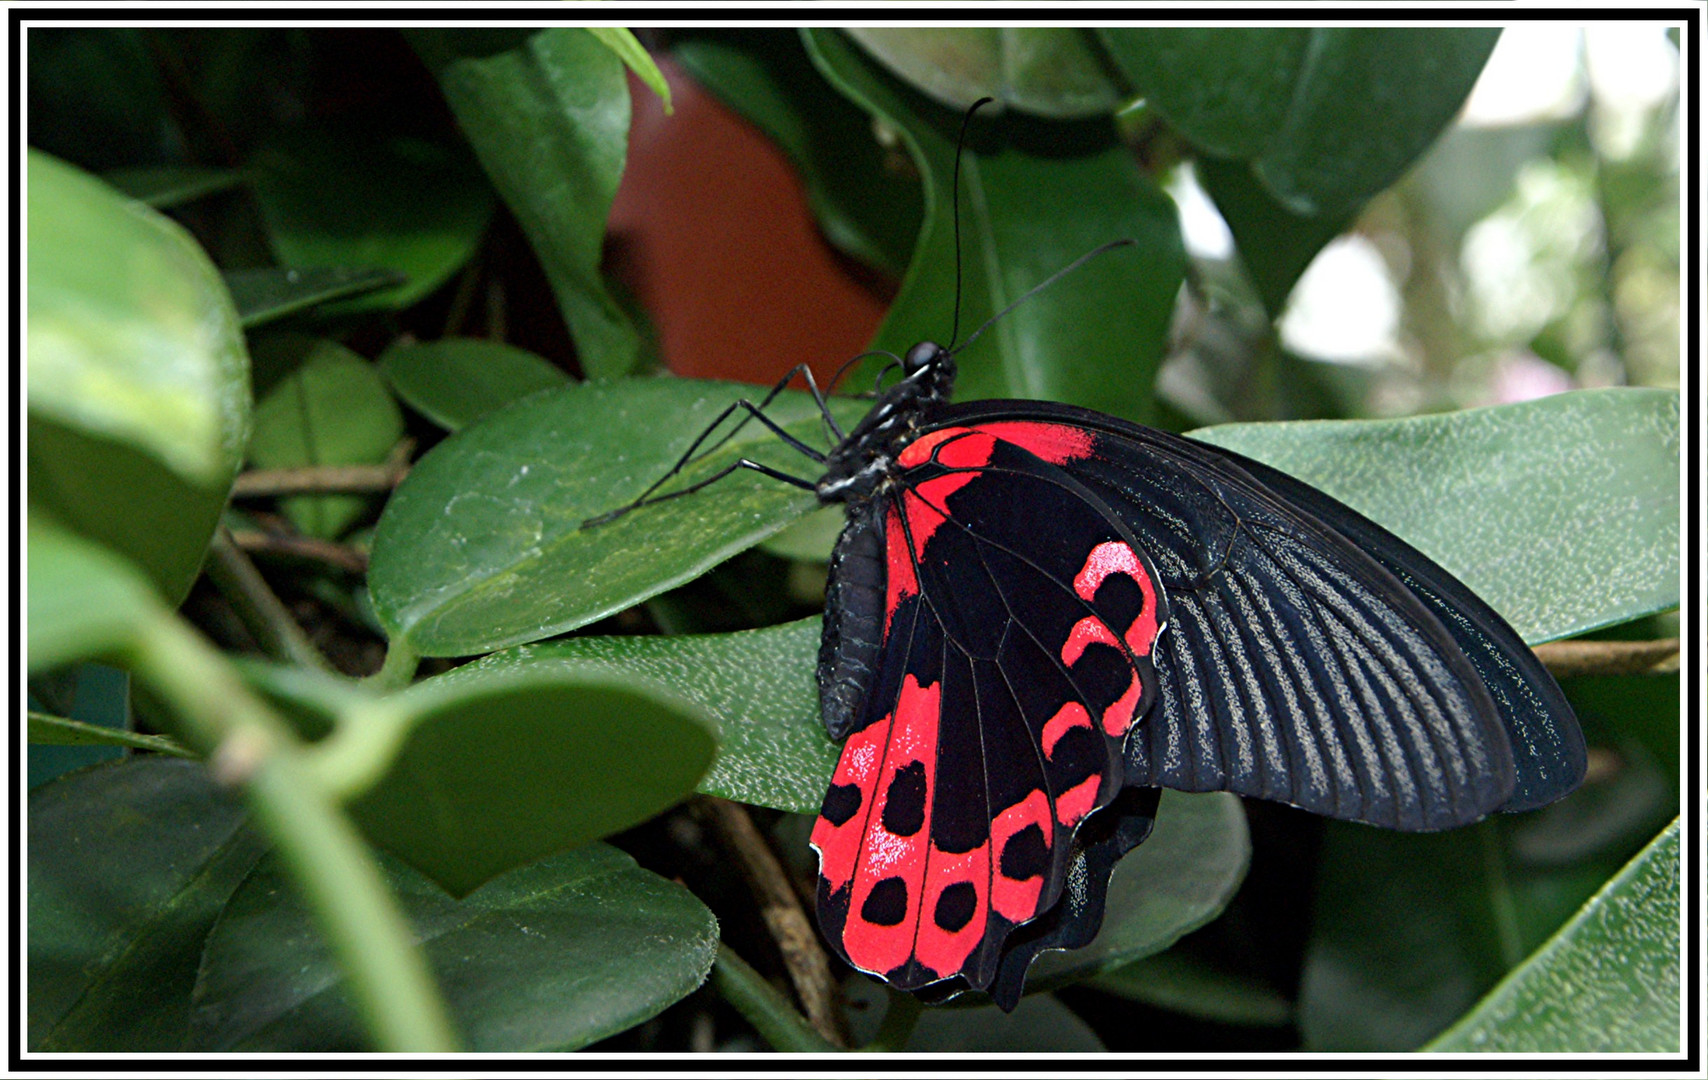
x: 955, y: 203
x: 1046, y: 283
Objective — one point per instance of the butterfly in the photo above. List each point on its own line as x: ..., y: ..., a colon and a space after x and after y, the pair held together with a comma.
x: 1037, y: 616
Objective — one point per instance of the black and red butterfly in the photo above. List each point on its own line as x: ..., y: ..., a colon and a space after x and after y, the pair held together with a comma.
x: 1038, y: 615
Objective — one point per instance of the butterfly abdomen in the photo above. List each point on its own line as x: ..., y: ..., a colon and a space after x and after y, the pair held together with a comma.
x: 853, y: 621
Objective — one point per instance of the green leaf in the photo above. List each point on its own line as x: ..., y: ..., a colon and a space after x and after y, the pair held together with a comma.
x: 1608, y: 982
x: 755, y: 687
x: 1176, y: 881
x: 549, y: 119
x: 622, y: 42
x: 502, y: 768
x: 129, y: 865
x: 1524, y: 503
x: 1038, y: 1025
x: 1036, y: 196
x: 337, y: 200
x: 1227, y: 90
x: 163, y: 186
x: 45, y: 730
x: 138, y: 379
x: 264, y: 296
x: 1369, y: 101
x: 84, y: 601
x: 333, y: 410
x: 1049, y: 71
x: 1275, y: 244
x: 1185, y: 983
x: 481, y: 546
x: 549, y: 957
x: 92, y: 698
x: 455, y: 381
x: 863, y: 206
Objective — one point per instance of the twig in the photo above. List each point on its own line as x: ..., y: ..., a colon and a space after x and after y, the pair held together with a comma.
x: 302, y: 547
x: 262, y: 612
x: 1564, y: 659
x: 766, y: 1009
x: 327, y: 479
x: 809, y: 969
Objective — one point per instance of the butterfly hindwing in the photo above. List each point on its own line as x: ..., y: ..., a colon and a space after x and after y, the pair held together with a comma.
x: 1029, y: 651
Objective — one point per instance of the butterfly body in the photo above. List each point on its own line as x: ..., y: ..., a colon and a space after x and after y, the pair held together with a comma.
x: 1037, y: 615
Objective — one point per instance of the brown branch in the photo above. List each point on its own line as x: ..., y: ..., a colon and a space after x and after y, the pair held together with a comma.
x: 260, y: 609
x: 327, y: 479
x: 302, y: 547
x: 1564, y: 659
x: 809, y: 969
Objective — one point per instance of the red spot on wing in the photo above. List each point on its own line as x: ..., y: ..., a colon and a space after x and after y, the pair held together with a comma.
x: 1069, y: 716
x: 1115, y: 557
x: 1017, y: 900
x: 870, y: 946
x: 1077, y: 801
x: 839, y: 845
x: 1055, y: 443
x: 1087, y: 631
x: 945, y: 951
x: 1119, y: 716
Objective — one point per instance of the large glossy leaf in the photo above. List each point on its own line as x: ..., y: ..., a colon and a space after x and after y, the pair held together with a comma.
x: 1525, y: 503
x: 1228, y: 90
x: 454, y: 381
x: 1176, y: 881
x: 865, y: 208
x: 756, y: 687
x: 482, y: 545
x: 1608, y: 982
x: 552, y: 956
x: 1275, y: 244
x: 549, y: 119
x: 1036, y: 195
x: 130, y: 863
x: 1369, y: 101
x: 499, y: 768
x: 340, y: 200
x: 84, y: 601
x: 1050, y: 71
x: 333, y: 410
x: 138, y: 379
x: 1189, y: 984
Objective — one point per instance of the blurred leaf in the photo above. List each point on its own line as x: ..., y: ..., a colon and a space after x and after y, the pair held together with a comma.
x: 340, y: 200
x: 864, y: 207
x: 621, y: 41
x: 549, y: 957
x: 1369, y: 101
x: 162, y: 186
x: 501, y: 768
x: 1176, y: 881
x: 97, y: 706
x: 1227, y: 90
x: 1275, y: 244
x: 811, y: 538
x: 756, y: 687
x: 138, y: 379
x: 1045, y: 70
x: 264, y: 296
x: 333, y: 410
x: 549, y: 119
x: 1188, y: 984
x: 1038, y: 195
x: 95, y: 96
x: 481, y: 546
x: 1524, y: 503
x: 1608, y: 982
x: 45, y: 730
x: 1038, y: 1025
x: 455, y: 381
x: 84, y: 601
x: 130, y: 863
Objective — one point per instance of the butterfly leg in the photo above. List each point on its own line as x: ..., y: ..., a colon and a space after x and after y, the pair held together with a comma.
x: 744, y: 463
x: 831, y: 426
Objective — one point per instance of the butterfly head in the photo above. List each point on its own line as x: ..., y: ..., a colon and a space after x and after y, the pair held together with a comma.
x: 930, y: 369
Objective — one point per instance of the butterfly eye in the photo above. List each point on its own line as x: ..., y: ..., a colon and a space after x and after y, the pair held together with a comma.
x: 921, y: 355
